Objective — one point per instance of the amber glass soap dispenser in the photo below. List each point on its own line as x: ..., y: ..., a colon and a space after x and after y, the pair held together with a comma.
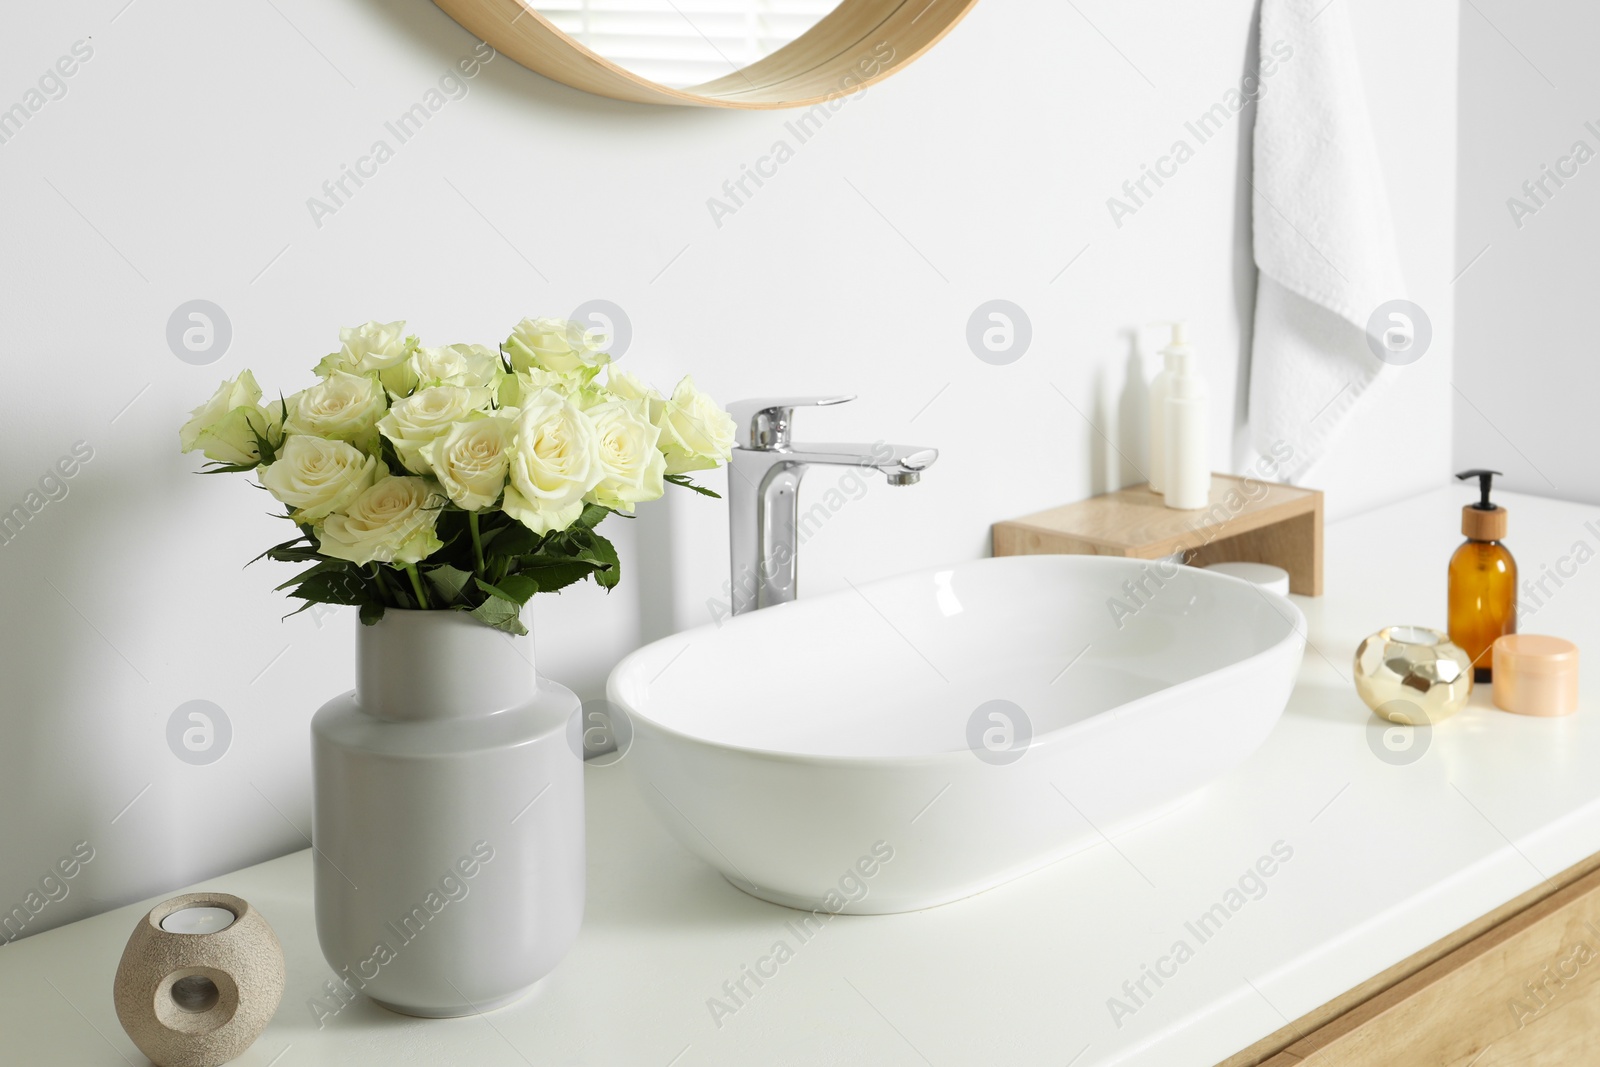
x: 1483, y: 580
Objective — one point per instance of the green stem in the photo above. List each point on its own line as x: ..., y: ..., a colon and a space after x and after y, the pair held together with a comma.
x: 416, y: 584
x: 385, y: 593
x: 477, y: 543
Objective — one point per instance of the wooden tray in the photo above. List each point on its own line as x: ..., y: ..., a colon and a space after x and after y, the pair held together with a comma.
x: 1247, y: 520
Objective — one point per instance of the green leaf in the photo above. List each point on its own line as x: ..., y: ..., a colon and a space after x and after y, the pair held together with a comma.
x: 582, y: 545
x: 516, y: 588
x: 501, y: 614
x: 266, y: 447
x: 554, y: 575
x: 388, y: 456
x: 608, y: 575
x: 290, y: 555
x: 449, y: 581
x: 332, y: 589
x: 569, y: 557
x: 227, y: 468
x: 291, y: 545
x: 393, y: 586
x: 330, y: 582
x: 320, y: 567
x: 371, y: 613
x: 592, y: 516
x: 683, y: 480
x: 513, y: 540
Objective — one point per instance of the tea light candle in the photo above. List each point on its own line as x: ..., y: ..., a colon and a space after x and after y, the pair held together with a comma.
x: 198, y: 1001
x: 198, y: 921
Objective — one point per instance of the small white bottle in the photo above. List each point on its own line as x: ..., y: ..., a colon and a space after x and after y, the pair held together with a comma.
x: 1159, y: 390
x: 1186, y: 411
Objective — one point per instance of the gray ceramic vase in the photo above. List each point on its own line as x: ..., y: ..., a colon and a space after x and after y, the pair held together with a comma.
x: 448, y: 818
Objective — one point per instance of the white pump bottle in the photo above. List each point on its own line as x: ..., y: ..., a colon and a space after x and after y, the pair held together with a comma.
x: 1159, y: 390
x: 1185, y: 413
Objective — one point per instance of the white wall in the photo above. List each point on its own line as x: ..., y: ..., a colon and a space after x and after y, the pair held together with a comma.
x: 1527, y: 377
x: 178, y: 166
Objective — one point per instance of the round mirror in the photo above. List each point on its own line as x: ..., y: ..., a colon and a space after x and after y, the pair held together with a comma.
x: 712, y: 53
x: 686, y: 43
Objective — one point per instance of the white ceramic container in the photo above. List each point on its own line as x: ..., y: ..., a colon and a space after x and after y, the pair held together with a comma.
x: 970, y: 723
x: 448, y: 819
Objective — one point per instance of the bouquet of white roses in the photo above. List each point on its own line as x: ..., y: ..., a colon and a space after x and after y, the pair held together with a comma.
x: 461, y: 477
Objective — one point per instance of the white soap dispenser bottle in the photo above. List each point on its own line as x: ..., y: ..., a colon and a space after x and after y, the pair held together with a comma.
x: 1159, y: 390
x: 1186, y: 406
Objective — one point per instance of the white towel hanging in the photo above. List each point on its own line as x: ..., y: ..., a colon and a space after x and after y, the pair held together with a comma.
x: 1324, y: 237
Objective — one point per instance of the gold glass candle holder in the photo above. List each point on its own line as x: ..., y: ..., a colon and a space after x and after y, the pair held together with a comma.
x: 199, y: 981
x: 1413, y: 675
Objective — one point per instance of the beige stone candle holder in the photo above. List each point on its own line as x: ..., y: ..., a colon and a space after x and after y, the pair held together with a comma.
x: 199, y: 999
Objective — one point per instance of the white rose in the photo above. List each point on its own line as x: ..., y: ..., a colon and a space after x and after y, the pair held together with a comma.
x: 345, y: 407
x: 555, y: 461
x: 236, y: 437
x: 391, y: 521
x: 424, y: 416
x: 633, y: 464
x: 315, y: 476
x: 471, y: 460
x: 628, y: 387
x: 474, y: 366
x: 225, y: 427
x: 530, y: 383
x: 555, y: 345
x: 696, y: 434
x: 375, y: 346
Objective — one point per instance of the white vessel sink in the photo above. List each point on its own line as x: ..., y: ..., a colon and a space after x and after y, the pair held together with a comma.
x: 841, y: 752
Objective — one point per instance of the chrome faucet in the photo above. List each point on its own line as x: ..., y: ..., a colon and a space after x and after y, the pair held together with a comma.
x: 763, y: 492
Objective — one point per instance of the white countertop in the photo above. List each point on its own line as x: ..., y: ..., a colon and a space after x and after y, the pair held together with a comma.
x: 1385, y: 860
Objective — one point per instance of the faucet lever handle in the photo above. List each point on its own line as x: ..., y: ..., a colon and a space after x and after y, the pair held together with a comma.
x: 763, y: 424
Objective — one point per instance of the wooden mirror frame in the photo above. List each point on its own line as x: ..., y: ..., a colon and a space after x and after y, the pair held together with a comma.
x: 858, y: 43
